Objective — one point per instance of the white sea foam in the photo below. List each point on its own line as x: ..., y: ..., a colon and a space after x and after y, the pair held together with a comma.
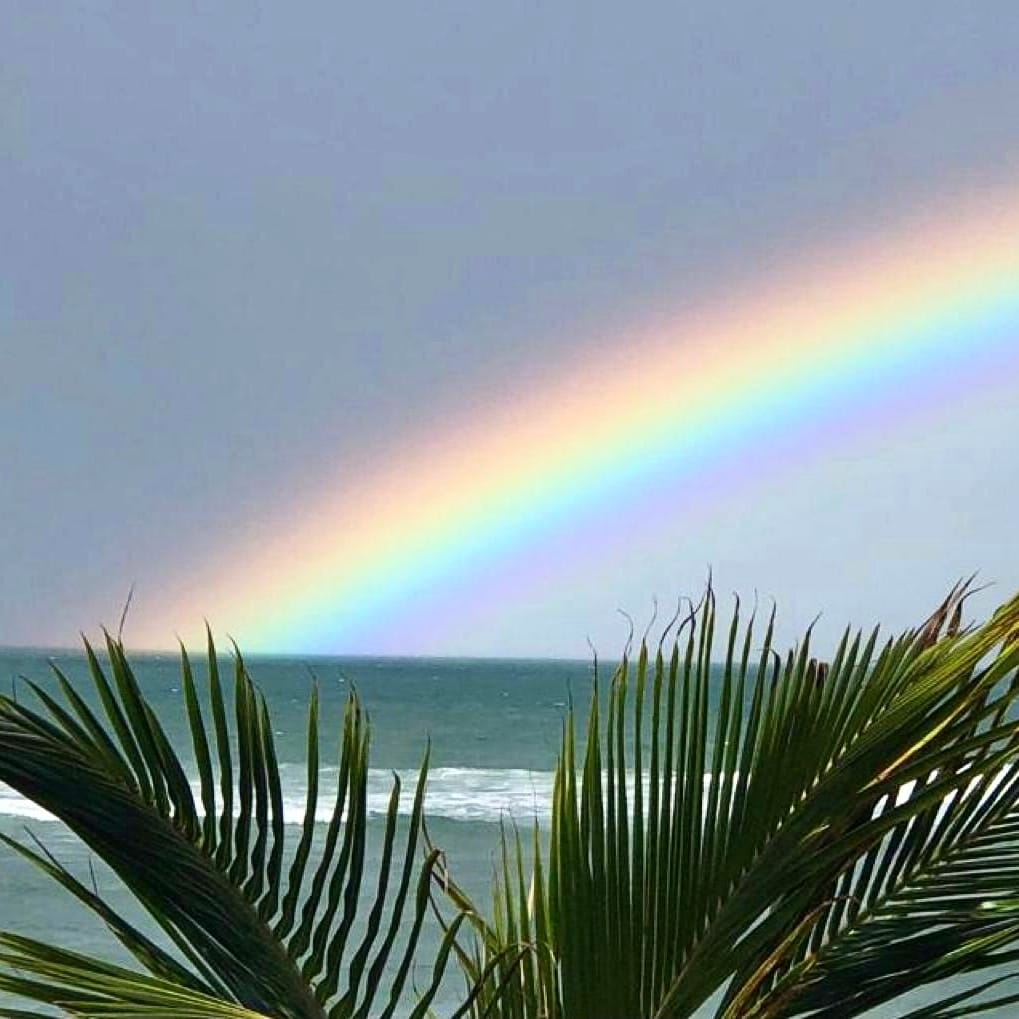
x: 462, y: 794
x: 15, y: 805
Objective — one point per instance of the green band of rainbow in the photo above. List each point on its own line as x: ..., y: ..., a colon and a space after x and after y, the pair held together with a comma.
x: 659, y: 404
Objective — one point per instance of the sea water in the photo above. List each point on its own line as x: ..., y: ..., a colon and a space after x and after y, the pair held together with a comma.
x: 494, y: 728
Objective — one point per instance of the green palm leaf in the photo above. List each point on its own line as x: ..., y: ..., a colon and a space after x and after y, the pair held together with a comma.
x: 251, y: 936
x: 90, y: 988
x: 780, y: 836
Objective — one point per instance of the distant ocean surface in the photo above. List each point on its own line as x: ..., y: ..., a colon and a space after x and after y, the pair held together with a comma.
x: 494, y: 726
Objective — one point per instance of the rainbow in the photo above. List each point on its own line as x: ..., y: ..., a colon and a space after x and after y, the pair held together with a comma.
x: 887, y: 315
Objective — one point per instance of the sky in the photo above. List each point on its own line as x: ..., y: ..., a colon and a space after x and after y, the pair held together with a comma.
x: 256, y: 255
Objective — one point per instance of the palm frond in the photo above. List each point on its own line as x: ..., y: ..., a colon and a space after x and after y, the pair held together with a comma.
x: 246, y: 934
x: 792, y: 835
x: 87, y: 987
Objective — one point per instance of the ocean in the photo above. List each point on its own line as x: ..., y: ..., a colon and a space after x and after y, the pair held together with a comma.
x: 494, y: 728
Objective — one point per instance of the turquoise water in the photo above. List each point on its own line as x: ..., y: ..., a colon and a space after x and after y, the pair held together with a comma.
x: 494, y: 727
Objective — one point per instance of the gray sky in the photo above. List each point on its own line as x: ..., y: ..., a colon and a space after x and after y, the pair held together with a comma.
x: 247, y: 244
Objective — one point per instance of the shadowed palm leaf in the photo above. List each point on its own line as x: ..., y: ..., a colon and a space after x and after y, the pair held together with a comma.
x: 819, y: 840
x: 256, y: 929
